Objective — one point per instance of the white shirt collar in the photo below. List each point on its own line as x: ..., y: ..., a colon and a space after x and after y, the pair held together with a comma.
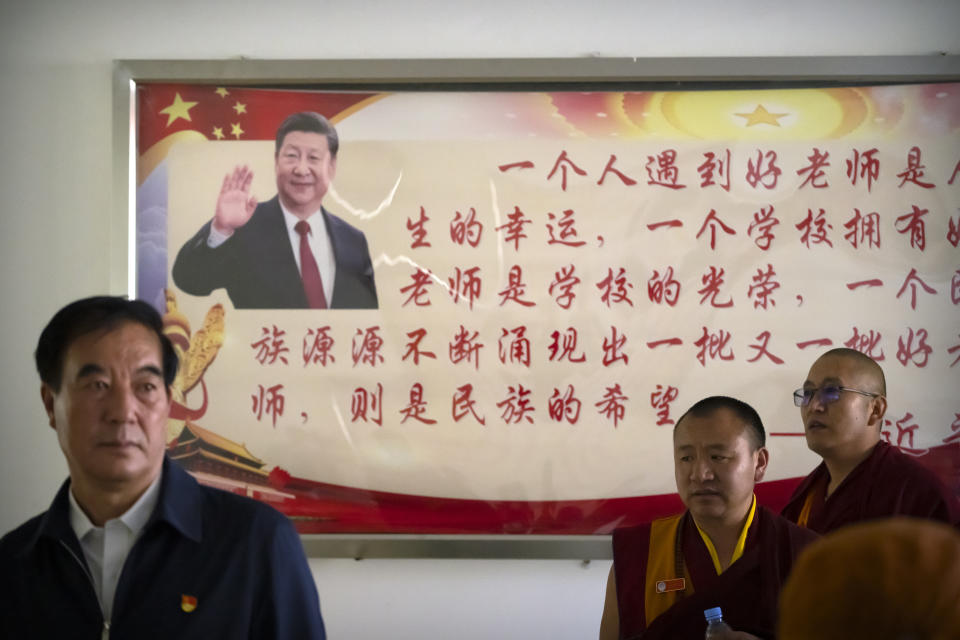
x: 135, y: 518
x: 315, y: 220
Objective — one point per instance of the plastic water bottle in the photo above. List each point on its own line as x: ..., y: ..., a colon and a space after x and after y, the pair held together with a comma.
x: 716, y: 627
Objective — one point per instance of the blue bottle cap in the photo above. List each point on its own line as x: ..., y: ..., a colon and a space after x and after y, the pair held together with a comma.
x: 713, y: 614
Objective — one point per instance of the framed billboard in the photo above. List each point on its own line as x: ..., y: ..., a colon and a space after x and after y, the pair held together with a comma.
x: 530, y: 269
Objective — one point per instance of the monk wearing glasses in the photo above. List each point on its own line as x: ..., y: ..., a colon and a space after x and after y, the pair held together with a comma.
x: 842, y: 404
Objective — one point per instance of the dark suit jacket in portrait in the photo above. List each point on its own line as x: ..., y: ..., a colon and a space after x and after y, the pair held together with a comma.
x: 257, y: 267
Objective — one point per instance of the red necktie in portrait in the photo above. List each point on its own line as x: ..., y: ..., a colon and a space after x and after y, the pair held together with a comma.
x: 312, y: 285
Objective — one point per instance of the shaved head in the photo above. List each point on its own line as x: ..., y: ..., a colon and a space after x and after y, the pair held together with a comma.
x: 864, y: 363
x: 844, y: 428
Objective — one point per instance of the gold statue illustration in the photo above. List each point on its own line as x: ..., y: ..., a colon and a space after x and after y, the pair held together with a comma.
x: 196, y: 352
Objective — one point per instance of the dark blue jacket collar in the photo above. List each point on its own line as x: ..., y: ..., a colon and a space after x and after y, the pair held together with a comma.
x: 181, y: 502
x: 55, y: 523
x: 179, y: 505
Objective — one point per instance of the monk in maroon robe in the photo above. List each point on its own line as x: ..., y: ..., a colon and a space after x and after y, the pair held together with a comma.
x: 725, y: 550
x: 842, y: 404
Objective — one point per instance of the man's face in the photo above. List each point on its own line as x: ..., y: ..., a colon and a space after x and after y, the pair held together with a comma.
x: 716, y: 466
x: 849, y: 426
x: 305, y: 170
x: 110, y: 413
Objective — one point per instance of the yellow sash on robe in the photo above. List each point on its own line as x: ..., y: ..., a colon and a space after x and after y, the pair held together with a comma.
x: 662, y: 560
x: 661, y: 565
x: 804, y: 516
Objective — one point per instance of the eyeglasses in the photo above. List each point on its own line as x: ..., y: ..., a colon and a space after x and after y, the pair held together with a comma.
x: 829, y: 393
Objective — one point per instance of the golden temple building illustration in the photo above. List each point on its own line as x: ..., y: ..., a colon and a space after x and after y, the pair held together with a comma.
x: 220, y: 462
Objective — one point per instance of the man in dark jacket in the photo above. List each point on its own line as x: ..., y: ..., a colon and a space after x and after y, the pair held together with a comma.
x: 288, y: 252
x: 132, y: 547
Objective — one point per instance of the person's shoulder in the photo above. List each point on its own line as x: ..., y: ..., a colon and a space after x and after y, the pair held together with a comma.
x: 16, y: 560
x: 16, y: 541
x: 639, y: 532
x: 339, y: 225
x: 632, y: 530
x: 631, y: 544
x: 222, y: 512
x: 897, y: 467
x: 786, y: 530
x: 232, y: 503
x: 226, y: 510
x: 807, y: 480
x: 266, y: 212
x: 891, y: 456
x: 766, y: 513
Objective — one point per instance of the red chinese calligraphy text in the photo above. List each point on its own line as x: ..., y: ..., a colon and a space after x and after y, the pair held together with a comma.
x: 713, y: 346
x: 416, y: 407
x: 613, y: 348
x: 515, y: 289
x: 613, y: 405
x: 463, y: 404
x: 764, y: 171
x: 514, y: 346
x: 813, y: 229
x: 416, y: 291
x: 366, y: 346
x: 567, y: 233
x: 317, y: 346
x: 517, y: 405
x: 466, y: 284
x: 615, y: 288
x: 913, y: 348
x: 660, y: 401
x: 715, y: 170
x: 713, y: 222
x: 465, y: 347
x: 269, y: 400
x: 867, y: 343
x: 863, y: 165
x: 712, y: 281
x: 564, y: 282
x: 413, y: 347
x: 564, y: 406
x: 663, y: 288
x: 863, y: 229
x: 662, y: 170
x: 466, y: 228
x: 418, y: 230
x: 815, y: 175
x: 763, y: 221
x: 367, y: 405
x: 563, y: 346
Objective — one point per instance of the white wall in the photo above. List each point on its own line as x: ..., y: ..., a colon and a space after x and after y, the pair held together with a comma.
x: 58, y: 210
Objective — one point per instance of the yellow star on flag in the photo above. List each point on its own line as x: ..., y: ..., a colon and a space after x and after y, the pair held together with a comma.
x: 240, y: 108
x: 179, y: 109
x: 218, y: 133
x: 760, y: 115
x: 235, y: 130
x: 223, y: 93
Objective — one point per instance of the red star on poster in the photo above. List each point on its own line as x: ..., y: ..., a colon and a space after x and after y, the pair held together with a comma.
x: 228, y: 113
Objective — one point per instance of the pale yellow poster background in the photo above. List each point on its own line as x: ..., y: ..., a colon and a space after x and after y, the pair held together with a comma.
x: 380, y: 186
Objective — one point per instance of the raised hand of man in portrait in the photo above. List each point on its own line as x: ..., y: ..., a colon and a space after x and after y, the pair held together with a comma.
x: 235, y: 204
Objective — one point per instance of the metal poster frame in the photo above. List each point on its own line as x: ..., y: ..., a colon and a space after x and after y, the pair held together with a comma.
x: 472, y: 74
